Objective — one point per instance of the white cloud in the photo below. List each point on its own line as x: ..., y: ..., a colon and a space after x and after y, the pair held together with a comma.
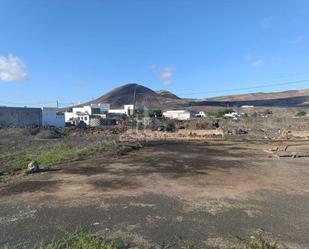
x: 267, y: 22
x: 258, y: 63
x: 12, y: 68
x: 165, y: 74
x: 255, y: 62
x: 248, y: 57
x: 297, y: 39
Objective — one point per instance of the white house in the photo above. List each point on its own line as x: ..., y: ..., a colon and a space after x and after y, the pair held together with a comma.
x: 127, y: 110
x: 88, y: 109
x: 69, y: 116
x: 177, y: 114
x: 84, y: 117
x: 233, y: 115
x: 201, y: 114
x: 52, y: 117
x: 84, y: 113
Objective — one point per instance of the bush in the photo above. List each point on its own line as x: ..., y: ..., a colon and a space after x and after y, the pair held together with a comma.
x: 33, y: 131
x: 124, y: 149
x: 215, y: 114
x: 83, y: 240
x: 64, y: 131
x: 50, y: 155
x: 301, y: 114
x: 48, y: 134
x: 255, y: 115
x: 170, y: 126
x: 155, y: 113
x: 219, y: 114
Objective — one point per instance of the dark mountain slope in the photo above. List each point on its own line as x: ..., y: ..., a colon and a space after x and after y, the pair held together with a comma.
x: 146, y: 97
x: 124, y: 95
x: 167, y: 94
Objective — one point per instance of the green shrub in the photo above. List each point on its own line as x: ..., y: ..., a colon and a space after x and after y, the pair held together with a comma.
x: 255, y: 242
x: 49, y: 155
x: 84, y: 240
x: 124, y: 149
x: 219, y: 114
x: 64, y: 131
x: 301, y: 114
x: 155, y: 113
x: 215, y: 114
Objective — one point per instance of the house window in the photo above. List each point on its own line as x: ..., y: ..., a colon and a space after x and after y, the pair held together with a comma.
x: 85, y: 118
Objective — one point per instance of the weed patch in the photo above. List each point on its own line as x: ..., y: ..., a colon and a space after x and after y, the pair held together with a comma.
x: 84, y: 240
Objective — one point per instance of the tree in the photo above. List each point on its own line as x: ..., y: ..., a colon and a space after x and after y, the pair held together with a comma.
x: 155, y: 113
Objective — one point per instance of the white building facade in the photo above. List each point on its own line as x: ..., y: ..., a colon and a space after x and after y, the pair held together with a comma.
x: 177, y: 114
x: 127, y: 110
x: 233, y: 115
x: 201, y: 114
x: 85, y: 113
x: 52, y: 117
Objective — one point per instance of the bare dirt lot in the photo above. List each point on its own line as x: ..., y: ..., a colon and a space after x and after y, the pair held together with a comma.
x: 167, y: 191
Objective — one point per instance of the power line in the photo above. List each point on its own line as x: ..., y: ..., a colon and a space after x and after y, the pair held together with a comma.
x: 268, y: 79
x: 26, y: 104
x: 37, y: 103
x: 186, y: 94
x: 248, y: 88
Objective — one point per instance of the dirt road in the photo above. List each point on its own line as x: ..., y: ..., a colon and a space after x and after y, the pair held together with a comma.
x: 203, y: 192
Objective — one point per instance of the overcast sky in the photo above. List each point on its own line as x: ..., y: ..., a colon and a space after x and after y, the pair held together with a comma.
x: 76, y: 50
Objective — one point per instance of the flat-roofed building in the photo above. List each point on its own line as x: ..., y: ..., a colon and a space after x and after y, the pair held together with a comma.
x: 177, y: 114
x: 52, y: 117
x: 20, y: 116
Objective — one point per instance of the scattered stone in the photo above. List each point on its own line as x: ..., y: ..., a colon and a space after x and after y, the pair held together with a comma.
x: 276, y: 148
x: 81, y: 125
x: 236, y: 131
x: 33, y: 167
x: 283, y: 153
x: 292, y: 154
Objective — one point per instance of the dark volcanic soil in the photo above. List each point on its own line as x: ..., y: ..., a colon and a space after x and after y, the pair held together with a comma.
x: 204, y: 192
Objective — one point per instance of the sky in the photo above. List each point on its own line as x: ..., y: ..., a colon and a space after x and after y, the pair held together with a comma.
x: 73, y: 51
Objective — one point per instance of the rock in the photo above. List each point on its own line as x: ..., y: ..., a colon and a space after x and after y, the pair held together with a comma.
x: 300, y: 154
x: 81, y: 125
x: 276, y: 148
x: 284, y: 154
x: 33, y: 167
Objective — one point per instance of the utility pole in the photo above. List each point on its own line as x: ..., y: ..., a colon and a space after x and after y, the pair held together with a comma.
x: 134, y: 101
x: 133, y: 111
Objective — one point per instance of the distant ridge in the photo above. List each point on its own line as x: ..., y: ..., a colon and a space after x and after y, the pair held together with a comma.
x: 262, y: 95
x: 163, y: 99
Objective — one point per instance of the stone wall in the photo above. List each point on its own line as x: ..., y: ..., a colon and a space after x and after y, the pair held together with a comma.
x: 20, y: 117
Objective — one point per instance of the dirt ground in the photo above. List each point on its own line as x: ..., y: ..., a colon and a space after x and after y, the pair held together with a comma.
x: 206, y: 192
